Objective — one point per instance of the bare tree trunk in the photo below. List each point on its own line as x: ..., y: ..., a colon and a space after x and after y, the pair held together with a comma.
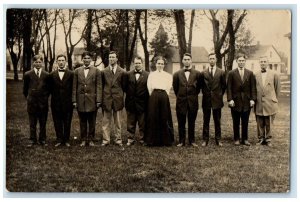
x: 189, y: 48
x: 89, y: 30
x: 137, y: 19
x: 180, y: 27
x: 144, y: 40
x: 231, y: 48
x: 27, y: 45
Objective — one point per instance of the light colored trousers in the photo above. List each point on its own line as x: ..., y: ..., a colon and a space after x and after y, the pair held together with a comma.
x: 107, y: 126
x: 264, y: 127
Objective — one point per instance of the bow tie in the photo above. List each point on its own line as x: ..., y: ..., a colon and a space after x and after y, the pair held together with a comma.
x: 86, y: 67
x: 61, y: 70
x: 137, y: 72
x: 187, y: 70
x: 263, y: 70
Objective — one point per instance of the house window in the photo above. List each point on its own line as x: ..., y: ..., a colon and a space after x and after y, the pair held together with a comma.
x: 270, y: 54
x: 204, y: 66
x: 275, y: 67
x: 270, y: 66
x: 252, y: 66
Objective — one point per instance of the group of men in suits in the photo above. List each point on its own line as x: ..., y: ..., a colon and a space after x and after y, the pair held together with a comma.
x: 87, y: 89
x: 244, y: 91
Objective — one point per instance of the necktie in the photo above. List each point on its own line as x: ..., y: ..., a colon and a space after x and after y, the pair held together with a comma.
x: 263, y: 70
x: 211, y: 72
x: 61, y: 70
x: 38, y: 72
x: 242, y: 74
x: 112, y: 70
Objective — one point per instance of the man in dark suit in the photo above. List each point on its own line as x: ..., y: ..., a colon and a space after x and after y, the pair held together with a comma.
x: 61, y: 83
x: 213, y: 82
x: 186, y: 85
x: 36, y: 91
x: 136, y: 100
x: 113, y: 99
x: 86, y: 97
x: 241, y: 95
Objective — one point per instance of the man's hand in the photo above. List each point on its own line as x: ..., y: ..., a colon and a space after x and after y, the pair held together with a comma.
x: 75, y: 105
x: 231, y: 103
x: 98, y: 105
x: 252, y: 103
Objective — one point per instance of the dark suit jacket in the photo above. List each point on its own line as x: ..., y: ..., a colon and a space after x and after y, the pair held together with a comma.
x: 61, y: 91
x: 113, y: 89
x: 241, y: 92
x: 136, y: 92
x: 186, y: 91
x: 36, y: 90
x: 213, y: 89
x: 87, y: 92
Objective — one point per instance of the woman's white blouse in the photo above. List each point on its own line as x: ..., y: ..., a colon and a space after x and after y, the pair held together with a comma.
x: 159, y: 80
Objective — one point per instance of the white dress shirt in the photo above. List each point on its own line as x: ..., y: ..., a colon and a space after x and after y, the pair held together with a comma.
x: 86, y: 70
x: 263, y: 77
x: 159, y: 80
x: 187, y: 73
x: 35, y: 70
x: 61, y: 74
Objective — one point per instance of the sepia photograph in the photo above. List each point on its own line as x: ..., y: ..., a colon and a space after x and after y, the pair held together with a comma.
x: 169, y: 100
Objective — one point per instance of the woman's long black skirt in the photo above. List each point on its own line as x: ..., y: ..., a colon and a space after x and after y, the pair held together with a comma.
x: 159, y: 124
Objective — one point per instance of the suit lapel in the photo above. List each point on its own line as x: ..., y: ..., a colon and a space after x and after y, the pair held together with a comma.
x: 91, y: 72
x: 66, y: 76
x: 183, y: 77
x: 237, y: 74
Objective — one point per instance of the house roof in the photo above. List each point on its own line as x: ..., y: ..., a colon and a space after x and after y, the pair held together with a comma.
x: 256, y: 51
x: 199, y: 54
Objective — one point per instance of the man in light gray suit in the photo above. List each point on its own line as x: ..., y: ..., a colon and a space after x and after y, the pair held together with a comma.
x: 268, y: 89
x: 113, y: 79
x: 87, y: 97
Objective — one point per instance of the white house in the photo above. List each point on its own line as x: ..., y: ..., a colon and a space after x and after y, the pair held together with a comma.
x: 255, y: 52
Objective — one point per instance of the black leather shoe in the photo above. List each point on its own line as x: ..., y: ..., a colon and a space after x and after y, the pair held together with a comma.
x: 43, y: 143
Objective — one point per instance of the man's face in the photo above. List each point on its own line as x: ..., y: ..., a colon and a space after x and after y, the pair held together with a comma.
x: 112, y: 59
x: 87, y: 60
x: 186, y: 61
x: 212, y: 60
x: 138, y: 64
x: 263, y: 63
x: 38, y: 64
x: 61, y: 61
x: 241, y: 61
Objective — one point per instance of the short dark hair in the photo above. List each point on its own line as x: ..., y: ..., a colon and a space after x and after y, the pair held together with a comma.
x: 138, y: 58
x: 239, y: 55
x: 38, y: 56
x: 160, y: 58
x: 113, y: 52
x: 85, y: 53
x: 212, y: 53
x: 61, y: 55
x: 187, y: 54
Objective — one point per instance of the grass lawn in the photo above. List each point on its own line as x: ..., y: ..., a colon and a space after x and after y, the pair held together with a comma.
x: 144, y: 169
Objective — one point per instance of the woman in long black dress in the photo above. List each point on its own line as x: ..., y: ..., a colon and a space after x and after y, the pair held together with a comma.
x: 159, y: 124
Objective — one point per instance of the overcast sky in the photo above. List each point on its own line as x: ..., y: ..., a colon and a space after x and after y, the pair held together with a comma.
x: 267, y: 26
